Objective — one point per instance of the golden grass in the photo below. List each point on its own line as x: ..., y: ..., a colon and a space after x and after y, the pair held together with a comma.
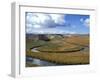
x: 70, y: 47
x: 80, y: 40
x: 62, y: 58
x: 31, y: 65
x: 62, y: 45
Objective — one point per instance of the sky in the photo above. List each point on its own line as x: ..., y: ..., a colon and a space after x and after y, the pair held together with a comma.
x: 50, y: 23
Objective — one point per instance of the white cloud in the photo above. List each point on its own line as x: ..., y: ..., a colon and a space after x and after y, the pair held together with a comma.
x: 58, y: 18
x: 49, y: 31
x: 46, y: 23
x: 41, y: 20
x: 86, y: 22
x: 81, y: 20
x: 37, y: 26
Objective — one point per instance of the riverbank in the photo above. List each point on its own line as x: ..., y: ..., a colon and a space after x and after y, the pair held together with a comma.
x: 62, y: 58
x: 72, y: 50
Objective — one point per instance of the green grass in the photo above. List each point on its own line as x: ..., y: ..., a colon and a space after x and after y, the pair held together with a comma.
x: 33, y: 43
x: 59, y: 46
x: 52, y: 50
x: 49, y: 47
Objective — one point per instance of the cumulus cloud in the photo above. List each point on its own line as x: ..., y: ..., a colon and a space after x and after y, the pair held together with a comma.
x: 46, y: 23
x: 41, y: 20
x: 86, y: 22
x: 58, y: 19
x: 81, y: 20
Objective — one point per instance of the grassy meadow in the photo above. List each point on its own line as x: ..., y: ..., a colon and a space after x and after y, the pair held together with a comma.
x: 58, y: 49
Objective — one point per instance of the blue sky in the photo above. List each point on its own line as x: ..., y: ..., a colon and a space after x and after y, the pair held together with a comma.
x: 49, y: 23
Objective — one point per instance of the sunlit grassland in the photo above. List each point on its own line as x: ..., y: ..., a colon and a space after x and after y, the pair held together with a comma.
x: 80, y: 40
x: 62, y: 58
x: 64, y: 51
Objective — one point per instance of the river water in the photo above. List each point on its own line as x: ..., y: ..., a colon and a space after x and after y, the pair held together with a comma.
x: 40, y: 62
x: 45, y: 63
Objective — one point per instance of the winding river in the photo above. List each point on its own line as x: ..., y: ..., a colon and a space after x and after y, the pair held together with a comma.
x: 45, y: 63
x: 40, y: 62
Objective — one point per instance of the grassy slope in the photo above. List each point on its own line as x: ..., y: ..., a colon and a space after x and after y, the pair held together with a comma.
x: 33, y: 43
